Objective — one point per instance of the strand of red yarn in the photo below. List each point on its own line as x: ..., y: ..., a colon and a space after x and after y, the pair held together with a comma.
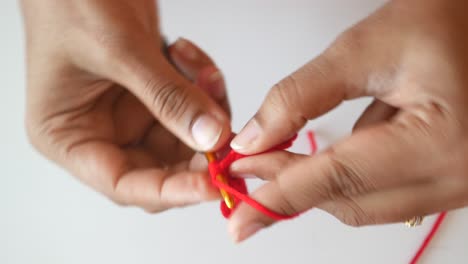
x: 312, y: 142
x: 237, y: 187
x: 429, y: 237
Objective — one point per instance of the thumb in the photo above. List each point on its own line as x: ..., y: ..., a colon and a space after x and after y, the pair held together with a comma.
x: 185, y: 110
x: 311, y: 91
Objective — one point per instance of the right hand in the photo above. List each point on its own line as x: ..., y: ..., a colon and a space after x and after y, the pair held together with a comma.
x: 408, y: 154
x: 105, y: 103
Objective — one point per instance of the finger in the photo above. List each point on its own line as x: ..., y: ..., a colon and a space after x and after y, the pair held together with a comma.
x: 376, y: 112
x: 399, y: 204
x: 266, y: 166
x: 157, y: 190
x: 199, y: 68
x: 309, y: 92
x: 388, y: 155
x: 212, y: 81
x: 188, y: 58
x: 137, y: 63
x: 318, y: 87
x: 130, y: 178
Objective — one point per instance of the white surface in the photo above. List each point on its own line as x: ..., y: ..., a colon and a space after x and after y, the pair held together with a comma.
x: 48, y: 217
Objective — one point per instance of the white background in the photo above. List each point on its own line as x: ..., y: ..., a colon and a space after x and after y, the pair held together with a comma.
x: 46, y: 216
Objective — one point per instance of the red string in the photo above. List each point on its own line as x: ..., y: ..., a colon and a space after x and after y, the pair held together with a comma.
x: 237, y: 188
x: 312, y: 142
x: 429, y: 237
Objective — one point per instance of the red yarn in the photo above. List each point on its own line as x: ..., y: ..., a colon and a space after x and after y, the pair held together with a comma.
x: 237, y: 188
x: 312, y: 142
x: 429, y: 237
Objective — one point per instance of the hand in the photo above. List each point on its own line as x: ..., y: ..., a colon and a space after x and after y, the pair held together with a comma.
x: 105, y: 103
x: 408, y: 153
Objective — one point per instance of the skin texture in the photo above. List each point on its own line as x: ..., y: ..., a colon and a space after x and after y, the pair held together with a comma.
x: 407, y: 155
x: 105, y: 103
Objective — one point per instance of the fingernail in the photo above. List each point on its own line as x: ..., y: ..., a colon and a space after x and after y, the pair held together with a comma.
x: 206, y: 131
x: 217, y: 86
x: 247, y: 136
x: 247, y: 232
x: 186, y: 49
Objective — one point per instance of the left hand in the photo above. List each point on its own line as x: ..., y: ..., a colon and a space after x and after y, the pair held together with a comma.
x: 106, y: 104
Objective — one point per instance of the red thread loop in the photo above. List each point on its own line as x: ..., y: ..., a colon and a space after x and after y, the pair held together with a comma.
x: 312, y: 142
x: 237, y: 187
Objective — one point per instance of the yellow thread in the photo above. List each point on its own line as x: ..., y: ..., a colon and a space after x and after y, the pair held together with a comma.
x: 228, y: 200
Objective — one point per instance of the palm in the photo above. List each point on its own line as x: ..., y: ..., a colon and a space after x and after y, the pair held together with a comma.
x: 123, y: 122
x: 110, y: 140
x: 98, y: 130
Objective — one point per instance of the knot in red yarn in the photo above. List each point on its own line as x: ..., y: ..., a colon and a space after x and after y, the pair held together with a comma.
x: 237, y: 187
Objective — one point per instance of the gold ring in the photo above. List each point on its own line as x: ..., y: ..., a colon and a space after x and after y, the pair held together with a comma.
x: 414, y: 221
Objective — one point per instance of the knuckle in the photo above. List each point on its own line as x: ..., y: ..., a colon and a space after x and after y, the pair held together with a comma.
x: 339, y: 60
x: 431, y: 121
x: 284, y: 93
x: 351, y: 214
x: 353, y: 219
x: 344, y: 179
x: 286, y: 97
x: 44, y: 135
x: 293, y: 201
x: 169, y: 100
x: 288, y: 206
x: 425, y: 116
x: 350, y: 219
x: 348, y: 43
